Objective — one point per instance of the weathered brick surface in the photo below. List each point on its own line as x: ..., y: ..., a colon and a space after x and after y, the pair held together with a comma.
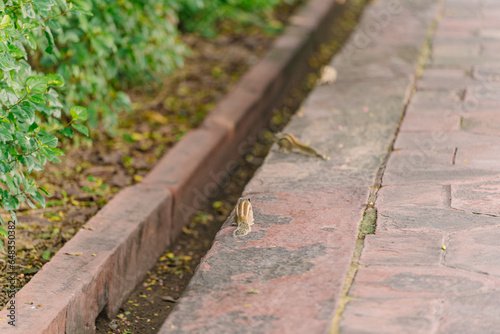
x: 432, y: 265
x: 430, y: 282
x: 410, y: 166
x: 430, y: 122
x: 417, y: 249
x: 433, y: 98
x: 444, y: 78
x: 483, y: 123
x: 441, y: 140
x: 475, y: 251
x: 479, y: 197
x: 298, y: 240
x: 457, y: 49
x: 413, y: 196
x: 476, y: 313
x: 402, y: 315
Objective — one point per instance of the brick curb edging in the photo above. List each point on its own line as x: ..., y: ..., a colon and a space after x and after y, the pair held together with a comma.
x: 127, y: 236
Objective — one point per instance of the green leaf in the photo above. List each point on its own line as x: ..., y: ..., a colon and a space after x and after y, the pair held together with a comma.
x: 32, y: 127
x: 55, y: 80
x: 9, y: 202
x: 7, y: 62
x: 4, y: 168
x: 43, y: 5
x: 78, y: 113
x: 13, y: 186
x: 45, y: 191
x: 78, y: 9
x: 81, y: 128
x: 24, y: 141
x: 29, y: 162
x: 48, y: 153
x: 39, y: 198
x: 30, y: 203
x: 5, y: 135
x: 50, y: 40
x: 5, y: 21
x: 27, y: 10
x: 37, y: 84
x: 37, y: 98
x: 16, y: 52
x: 30, y: 39
x: 47, y: 139
x: 46, y: 255
x: 68, y: 132
x: 24, y: 113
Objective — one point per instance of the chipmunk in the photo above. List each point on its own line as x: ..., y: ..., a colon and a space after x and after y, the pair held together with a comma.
x: 243, y: 217
x: 288, y: 142
x: 328, y: 75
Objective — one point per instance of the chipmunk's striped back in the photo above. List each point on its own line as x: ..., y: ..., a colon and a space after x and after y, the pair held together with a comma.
x: 243, y: 217
x: 244, y: 212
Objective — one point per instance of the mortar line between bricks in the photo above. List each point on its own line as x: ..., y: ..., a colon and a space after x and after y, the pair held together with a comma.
x: 370, y: 209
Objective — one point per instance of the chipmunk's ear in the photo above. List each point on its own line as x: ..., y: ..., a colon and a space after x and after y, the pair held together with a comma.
x: 249, y: 199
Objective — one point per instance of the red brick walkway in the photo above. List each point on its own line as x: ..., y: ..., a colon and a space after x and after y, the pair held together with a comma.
x: 432, y: 265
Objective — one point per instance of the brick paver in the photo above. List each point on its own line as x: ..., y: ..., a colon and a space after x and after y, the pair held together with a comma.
x: 433, y: 265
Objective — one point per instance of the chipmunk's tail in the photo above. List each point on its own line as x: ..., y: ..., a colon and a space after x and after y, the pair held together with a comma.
x: 310, y: 151
x: 322, y: 156
x: 241, y: 230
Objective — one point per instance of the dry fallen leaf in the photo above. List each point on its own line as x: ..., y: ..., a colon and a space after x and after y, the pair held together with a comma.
x: 168, y: 299
x: 85, y: 227
x: 75, y: 254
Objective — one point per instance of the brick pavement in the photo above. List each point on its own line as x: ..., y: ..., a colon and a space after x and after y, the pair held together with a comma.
x: 433, y: 266
x: 287, y: 275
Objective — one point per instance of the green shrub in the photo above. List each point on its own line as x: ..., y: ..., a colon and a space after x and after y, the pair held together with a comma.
x: 127, y: 43
x: 30, y: 104
x: 202, y: 16
x: 123, y: 44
